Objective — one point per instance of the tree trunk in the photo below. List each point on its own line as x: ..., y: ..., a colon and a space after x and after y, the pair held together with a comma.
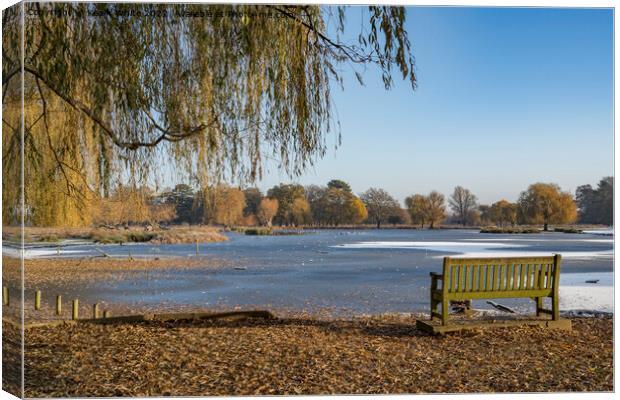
x: 378, y: 224
x: 546, y: 226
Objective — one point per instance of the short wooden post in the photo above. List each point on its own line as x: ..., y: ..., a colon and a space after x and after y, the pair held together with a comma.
x: 75, y: 312
x: 106, y: 314
x: 95, y: 311
x: 37, y: 300
x: 196, y: 246
x: 130, y: 259
x: 5, y: 295
x: 58, y: 304
x: 58, y: 250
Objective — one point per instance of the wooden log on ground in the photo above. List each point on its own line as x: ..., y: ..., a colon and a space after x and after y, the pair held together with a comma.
x: 209, y: 315
x: 172, y: 317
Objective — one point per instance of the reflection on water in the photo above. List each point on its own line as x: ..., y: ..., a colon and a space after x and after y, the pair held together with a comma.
x: 365, y: 271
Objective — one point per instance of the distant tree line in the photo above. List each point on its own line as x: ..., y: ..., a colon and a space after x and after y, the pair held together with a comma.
x: 596, y: 206
x: 335, y: 204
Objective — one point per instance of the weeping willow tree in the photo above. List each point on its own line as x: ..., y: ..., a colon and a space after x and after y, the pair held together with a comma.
x: 128, y: 92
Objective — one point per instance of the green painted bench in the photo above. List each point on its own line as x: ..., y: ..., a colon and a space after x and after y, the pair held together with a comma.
x: 494, y: 278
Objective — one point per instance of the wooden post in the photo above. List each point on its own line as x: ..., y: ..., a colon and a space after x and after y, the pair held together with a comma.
x: 196, y: 246
x: 75, y: 312
x: 95, y: 311
x: 58, y: 304
x: 37, y: 300
x: 106, y: 314
x: 58, y: 250
x: 5, y: 295
x: 130, y: 259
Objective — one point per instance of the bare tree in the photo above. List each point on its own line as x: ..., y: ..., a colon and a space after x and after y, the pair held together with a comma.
x: 379, y: 204
x: 462, y: 202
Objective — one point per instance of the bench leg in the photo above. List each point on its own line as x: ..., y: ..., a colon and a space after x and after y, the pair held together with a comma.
x: 434, y: 309
x: 539, y: 305
x: 444, y: 312
x: 555, y: 308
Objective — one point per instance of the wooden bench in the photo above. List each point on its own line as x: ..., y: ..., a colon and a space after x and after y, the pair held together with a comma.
x: 494, y: 278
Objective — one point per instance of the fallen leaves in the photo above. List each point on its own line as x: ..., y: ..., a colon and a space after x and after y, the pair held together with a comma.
x: 306, y: 355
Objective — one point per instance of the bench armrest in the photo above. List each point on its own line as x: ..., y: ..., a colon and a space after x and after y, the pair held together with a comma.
x: 436, y: 275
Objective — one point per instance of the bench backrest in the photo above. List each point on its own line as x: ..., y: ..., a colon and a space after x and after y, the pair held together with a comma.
x: 522, y: 274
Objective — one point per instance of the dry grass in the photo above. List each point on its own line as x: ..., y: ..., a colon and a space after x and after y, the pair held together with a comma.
x: 309, y: 356
x: 174, y: 234
x: 45, y: 233
x: 190, y: 234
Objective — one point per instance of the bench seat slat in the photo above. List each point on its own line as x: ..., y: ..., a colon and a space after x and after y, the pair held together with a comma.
x: 475, y: 284
x: 500, y: 260
x: 542, y: 275
x: 467, y: 286
x: 487, y: 282
x: 497, y: 294
x: 515, y: 276
x: 502, y: 277
x: 453, y: 281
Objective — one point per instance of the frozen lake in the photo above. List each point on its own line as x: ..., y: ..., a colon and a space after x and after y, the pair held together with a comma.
x: 359, y: 271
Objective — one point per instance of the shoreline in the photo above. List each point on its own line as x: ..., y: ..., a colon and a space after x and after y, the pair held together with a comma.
x: 136, y: 314
x: 107, y: 235
x: 176, y: 234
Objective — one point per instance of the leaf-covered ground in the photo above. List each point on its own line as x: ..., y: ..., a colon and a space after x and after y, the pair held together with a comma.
x: 305, y: 355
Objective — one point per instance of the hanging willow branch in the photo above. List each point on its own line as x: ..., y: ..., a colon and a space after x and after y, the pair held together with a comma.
x: 211, y: 90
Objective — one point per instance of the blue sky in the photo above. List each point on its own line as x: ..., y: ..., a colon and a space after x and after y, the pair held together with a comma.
x: 506, y: 97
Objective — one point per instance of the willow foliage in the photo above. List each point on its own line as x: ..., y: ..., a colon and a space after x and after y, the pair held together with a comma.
x: 129, y: 91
